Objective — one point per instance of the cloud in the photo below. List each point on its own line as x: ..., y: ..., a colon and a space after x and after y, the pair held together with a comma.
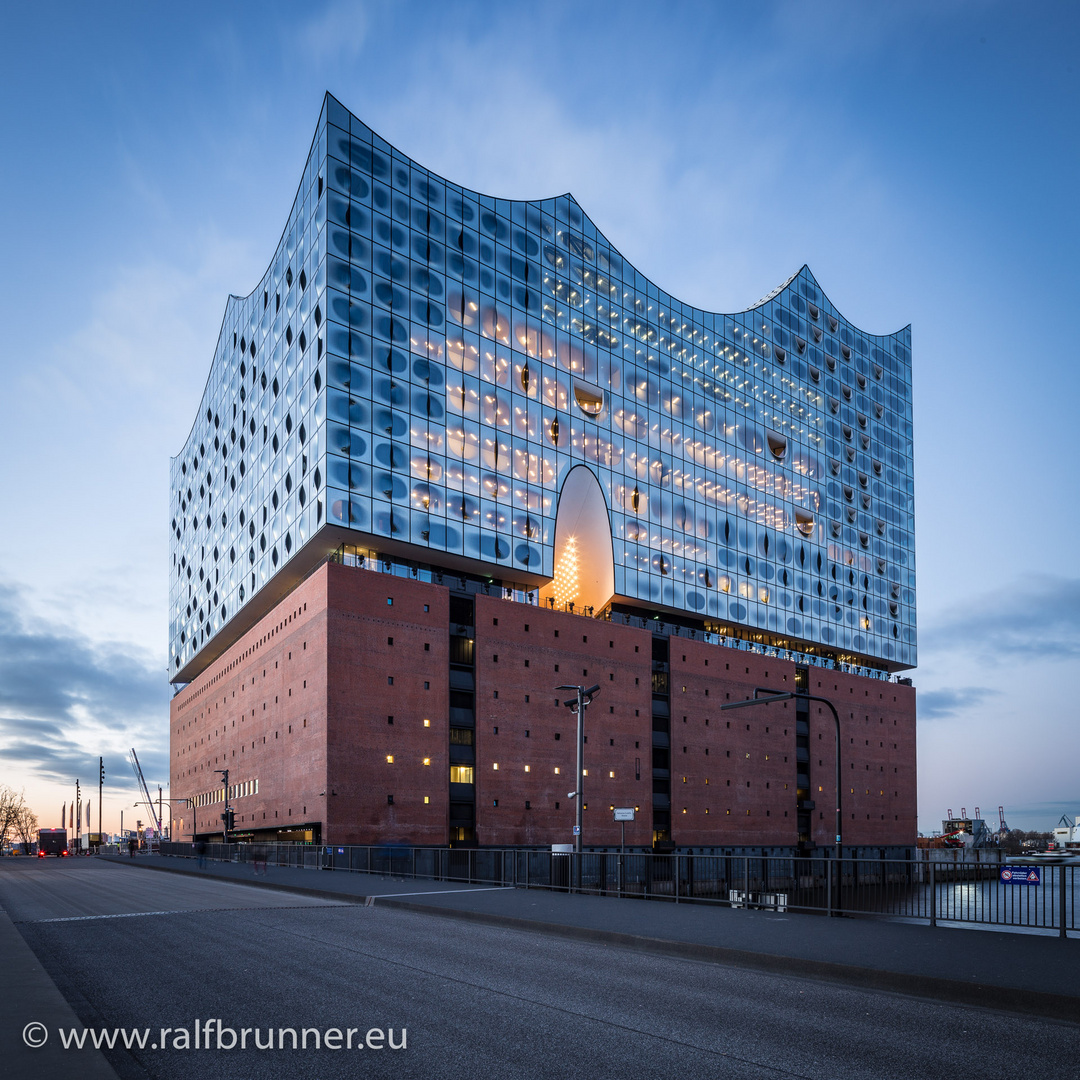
x: 65, y: 699
x: 934, y: 704
x: 339, y: 31
x: 1035, y: 616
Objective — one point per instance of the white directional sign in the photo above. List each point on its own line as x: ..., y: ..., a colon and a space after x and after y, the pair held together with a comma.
x: 624, y: 813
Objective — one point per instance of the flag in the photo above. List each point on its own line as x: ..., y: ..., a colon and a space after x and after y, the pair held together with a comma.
x: 87, y: 815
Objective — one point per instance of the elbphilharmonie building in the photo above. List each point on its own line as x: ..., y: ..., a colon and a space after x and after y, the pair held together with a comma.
x: 478, y: 392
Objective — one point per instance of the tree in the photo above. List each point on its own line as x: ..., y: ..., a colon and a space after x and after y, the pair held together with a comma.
x: 10, y: 804
x: 26, y: 825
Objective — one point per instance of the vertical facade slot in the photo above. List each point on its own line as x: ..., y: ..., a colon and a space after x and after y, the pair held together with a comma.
x: 462, y: 722
x: 661, y: 745
x: 804, y: 801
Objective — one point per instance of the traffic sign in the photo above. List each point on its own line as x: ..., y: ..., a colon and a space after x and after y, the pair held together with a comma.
x: 1021, y: 875
x: 624, y: 813
x: 577, y: 830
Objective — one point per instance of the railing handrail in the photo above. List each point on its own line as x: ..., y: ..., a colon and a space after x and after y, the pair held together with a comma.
x: 965, y: 891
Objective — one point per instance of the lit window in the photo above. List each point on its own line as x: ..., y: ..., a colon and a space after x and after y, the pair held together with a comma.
x: 427, y: 800
x: 527, y: 768
x: 584, y: 772
x: 556, y: 770
x: 495, y: 766
x: 427, y: 723
x: 611, y: 775
x: 389, y: 759
x: 427, y: 761
x: 461, y: 774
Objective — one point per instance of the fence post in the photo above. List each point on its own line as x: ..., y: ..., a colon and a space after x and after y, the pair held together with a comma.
x: 828, y: 886
x: 676, y: 879
x: 746, y: 882
x: 1061, y: 902
x: 933, y: 893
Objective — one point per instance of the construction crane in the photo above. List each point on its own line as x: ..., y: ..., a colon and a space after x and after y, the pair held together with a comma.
x: 1002, y: 827
x: 137, y: 769
x: 978, y: 814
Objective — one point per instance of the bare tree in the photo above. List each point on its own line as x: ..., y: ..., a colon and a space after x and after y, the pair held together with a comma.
x: 26, y: 826
x: 10, y: 803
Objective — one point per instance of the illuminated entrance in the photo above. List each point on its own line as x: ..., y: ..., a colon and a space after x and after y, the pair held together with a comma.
x: 584, y: 562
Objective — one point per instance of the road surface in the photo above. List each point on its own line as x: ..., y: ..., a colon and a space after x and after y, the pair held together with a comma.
x: 140, y: 951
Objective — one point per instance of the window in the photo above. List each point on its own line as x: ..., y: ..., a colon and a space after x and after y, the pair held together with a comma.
x: 462, y: 774
x: 389, y: 759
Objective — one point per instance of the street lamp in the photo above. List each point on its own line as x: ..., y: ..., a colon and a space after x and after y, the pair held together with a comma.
x: 581, y: 700
x: 773, y: 695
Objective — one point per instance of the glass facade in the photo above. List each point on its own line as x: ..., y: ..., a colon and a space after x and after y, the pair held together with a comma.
x: 422, y: 366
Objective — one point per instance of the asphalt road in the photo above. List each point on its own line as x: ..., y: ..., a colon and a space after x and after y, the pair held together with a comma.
x: 165, y: 950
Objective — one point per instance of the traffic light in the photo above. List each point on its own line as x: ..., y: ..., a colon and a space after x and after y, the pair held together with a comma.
x: 228, y: 817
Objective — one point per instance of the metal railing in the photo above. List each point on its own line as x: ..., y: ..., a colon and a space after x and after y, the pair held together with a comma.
x: 971, y: 893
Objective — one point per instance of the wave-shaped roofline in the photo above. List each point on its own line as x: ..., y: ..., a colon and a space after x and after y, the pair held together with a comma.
x: 324, y: 112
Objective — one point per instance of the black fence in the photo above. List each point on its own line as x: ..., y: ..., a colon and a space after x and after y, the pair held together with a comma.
x: 931, y: 891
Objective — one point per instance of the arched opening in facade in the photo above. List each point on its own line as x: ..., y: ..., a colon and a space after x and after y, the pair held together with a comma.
x: 584, y: 559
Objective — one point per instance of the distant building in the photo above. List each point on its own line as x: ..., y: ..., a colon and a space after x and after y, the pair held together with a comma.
x: 453, y: 452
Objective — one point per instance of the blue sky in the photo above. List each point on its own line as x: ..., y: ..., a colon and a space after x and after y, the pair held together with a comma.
x: 922, y: 158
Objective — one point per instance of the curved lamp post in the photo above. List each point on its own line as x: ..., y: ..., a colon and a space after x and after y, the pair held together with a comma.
x: 773, y: 695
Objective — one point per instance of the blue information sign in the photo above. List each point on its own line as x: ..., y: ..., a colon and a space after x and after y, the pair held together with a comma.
x: 1021, y: 875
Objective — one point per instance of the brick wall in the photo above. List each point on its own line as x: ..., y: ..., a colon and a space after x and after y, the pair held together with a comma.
x: 302, y: 703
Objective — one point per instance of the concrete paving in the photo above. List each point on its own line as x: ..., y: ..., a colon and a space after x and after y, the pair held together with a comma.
x: 1034, y: 974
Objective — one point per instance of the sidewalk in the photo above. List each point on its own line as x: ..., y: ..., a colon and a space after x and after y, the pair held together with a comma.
x: 1016, y: 972
x: 30, y: 997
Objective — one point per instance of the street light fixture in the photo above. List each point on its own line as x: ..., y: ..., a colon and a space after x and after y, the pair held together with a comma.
x: 578, y: 703
x: 786, y: 695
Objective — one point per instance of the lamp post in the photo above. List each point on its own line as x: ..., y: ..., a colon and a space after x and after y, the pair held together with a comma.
x: 578, y: 703
x: 773, y: 695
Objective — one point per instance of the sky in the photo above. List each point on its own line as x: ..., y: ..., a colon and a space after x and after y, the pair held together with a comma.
x: 922, y: 158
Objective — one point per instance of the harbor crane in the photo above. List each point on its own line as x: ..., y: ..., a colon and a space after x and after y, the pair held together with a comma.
x: 137, y: 769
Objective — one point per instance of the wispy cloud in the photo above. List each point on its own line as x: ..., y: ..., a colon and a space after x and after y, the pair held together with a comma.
x: 65, y: 699
x: 934, y: 704
x: 337, y: 32
x: 1034, y: 616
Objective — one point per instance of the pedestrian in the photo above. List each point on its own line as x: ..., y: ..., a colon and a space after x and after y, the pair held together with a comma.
x: 131, y: 847
x: 200, y: 853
